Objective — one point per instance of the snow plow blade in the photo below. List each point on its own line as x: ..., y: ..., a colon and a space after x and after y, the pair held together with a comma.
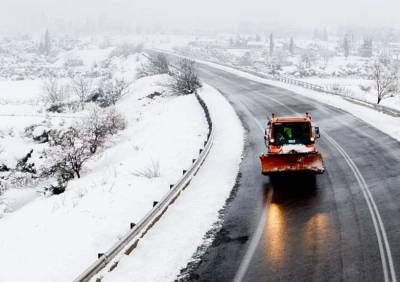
x: 280, y: 163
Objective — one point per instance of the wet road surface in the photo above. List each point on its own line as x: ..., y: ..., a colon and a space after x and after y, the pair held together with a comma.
x: 343, y: 225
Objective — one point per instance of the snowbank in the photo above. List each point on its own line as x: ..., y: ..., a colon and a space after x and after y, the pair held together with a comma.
x: 170, y: 244
x: 361, y: 89
x: 55, y: 238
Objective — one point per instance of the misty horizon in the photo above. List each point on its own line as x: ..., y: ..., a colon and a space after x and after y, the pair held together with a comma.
x: 25, y: 16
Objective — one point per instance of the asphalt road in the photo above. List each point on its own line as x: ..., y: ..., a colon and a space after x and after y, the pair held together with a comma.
x: 344, y: 226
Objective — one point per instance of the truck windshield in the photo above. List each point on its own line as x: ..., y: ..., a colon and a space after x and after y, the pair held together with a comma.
x: 291, y: 133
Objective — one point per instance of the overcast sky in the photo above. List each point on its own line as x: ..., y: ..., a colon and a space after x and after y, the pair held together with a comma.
x: 24, y: 15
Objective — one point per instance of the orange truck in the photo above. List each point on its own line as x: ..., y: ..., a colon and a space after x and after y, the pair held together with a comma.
x: 291, y: 146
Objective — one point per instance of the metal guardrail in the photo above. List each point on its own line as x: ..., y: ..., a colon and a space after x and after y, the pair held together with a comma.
x: 130, y: 240
x: 320, y: 88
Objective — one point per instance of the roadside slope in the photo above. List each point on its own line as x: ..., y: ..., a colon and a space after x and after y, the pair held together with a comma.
x: 170, y: 244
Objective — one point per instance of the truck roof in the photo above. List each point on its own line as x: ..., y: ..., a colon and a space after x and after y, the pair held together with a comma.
x: 290, y: 119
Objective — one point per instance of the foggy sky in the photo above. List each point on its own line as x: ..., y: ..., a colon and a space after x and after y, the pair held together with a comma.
x: 28, y: 15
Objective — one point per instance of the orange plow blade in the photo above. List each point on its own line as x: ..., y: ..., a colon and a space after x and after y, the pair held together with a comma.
x: 309, y: 162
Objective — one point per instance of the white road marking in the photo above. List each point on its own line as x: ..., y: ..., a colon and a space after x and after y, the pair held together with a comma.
x: 255, y: 239
x: 384, y: 247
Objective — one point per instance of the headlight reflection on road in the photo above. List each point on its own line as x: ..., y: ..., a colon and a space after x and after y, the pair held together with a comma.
x: 274, y: 230
x: 316, y: 233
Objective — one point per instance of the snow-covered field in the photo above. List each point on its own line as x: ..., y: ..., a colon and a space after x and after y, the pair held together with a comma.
x: 358, y: 88
x: 169, y: 245
x: 53, y: 238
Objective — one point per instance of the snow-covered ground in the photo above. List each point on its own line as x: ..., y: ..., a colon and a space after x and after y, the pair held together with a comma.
x: 53, y: 238
x: 170, y: 244
x: 64, y: 233
x: 360, y: 89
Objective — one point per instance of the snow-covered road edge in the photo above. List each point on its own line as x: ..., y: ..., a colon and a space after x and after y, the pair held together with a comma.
x: 387, y: 124
x: 170, y: 245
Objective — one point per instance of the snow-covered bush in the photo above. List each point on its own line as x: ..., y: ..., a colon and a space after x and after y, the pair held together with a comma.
x: 55, y: 94
x: 73, y: 62
x: 125, y: 50
x: 336, y: 88
x: 98, y: 124
x: 186, y: 80
x: 39, y: 133
x: 115, y: 90
x: 157, y: 64
x: 25, y: 166
x: 365, y: 88
x: 246, y: 59
x: 152, y: 171
x: 73, y: 147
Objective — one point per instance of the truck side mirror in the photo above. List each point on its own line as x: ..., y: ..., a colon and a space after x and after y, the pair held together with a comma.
x: 317, y: 134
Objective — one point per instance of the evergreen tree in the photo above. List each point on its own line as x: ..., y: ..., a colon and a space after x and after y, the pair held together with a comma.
x: 47, y: 42
x: 346, y: 47
x: 291, y: 46
x: 325, y: 35
x: 271, y: 44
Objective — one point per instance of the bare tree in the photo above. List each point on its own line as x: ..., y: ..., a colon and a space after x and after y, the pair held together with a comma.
x: 74, y: 147
x: 98, y: 124
x: 186, y: 78
x: 385, y: 78
x: 53, y: 92
x: 114, y: 121
x: 72, y: 151
x: 82, y: 88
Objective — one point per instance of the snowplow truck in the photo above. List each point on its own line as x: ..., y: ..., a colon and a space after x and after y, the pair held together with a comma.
x: 291, y: 146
